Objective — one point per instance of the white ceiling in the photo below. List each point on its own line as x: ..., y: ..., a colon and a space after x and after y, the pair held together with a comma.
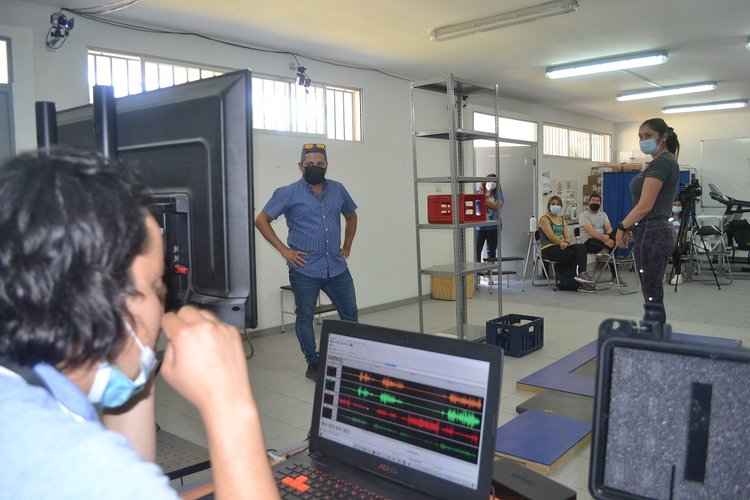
x: 705, y: 40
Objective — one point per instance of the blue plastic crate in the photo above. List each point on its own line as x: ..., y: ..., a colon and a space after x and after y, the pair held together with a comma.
x: 517, y: 334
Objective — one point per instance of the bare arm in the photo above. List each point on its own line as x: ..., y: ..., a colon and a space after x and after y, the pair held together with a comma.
x: 204, y: 362
x: 137, y: 422
x: 294, y: 257
x: 350, y: 229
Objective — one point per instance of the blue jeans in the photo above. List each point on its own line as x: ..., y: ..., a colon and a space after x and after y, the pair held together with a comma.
x: 340, y: 289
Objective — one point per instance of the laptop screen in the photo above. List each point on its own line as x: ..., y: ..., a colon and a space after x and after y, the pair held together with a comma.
x: 416, y: 408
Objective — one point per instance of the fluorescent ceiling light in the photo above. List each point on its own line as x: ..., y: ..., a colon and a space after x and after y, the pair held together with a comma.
x: 665, y: 91
x: 541, y: 11
x: 709, y: 106
x: 627, y: 61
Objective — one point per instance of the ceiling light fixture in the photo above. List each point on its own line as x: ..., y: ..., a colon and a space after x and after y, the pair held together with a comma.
x: 628, y: 61
x: 709, y: 106
x: 510, y: 18
x: 666, y: 91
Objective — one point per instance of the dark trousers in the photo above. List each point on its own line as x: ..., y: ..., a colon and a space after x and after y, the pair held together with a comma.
x: 572, y: 255
x: 654, y: 243
x: 595, y: 246
x: 491, y: 238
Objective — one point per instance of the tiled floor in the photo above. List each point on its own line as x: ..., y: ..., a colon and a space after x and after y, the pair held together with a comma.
x: 571, y: 320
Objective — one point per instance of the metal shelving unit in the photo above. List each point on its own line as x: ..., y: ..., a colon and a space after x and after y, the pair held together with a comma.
x: 456, y: 91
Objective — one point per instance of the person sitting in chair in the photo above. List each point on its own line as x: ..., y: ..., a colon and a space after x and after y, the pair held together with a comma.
x: 597, y: 234
x: 554, y: 241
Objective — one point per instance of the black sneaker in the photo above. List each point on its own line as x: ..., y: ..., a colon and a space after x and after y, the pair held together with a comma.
x: 312, y: 371
x: 586, y: 288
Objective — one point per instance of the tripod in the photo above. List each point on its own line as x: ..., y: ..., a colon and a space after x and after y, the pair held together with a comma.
x: 688, y: 219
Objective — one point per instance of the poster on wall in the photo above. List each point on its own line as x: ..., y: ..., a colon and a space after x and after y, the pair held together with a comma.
x: 567, y: 190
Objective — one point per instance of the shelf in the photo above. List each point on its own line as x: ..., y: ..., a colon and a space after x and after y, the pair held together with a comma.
x: 465, y: 225
x: 464, y: 269
x: 460, y: 86
x: 445, y: 180
x: 461, y: 134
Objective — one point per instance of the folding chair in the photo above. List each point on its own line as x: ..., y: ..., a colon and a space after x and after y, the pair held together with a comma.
x: 535, y: 254
x: 618, y: 262
x: 708, y: 249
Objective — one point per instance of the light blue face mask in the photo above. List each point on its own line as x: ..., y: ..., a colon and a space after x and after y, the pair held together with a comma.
x: 491, y: 186
x: 112, y: 388
x: 555, y: 209
x: 676, y: 210
x: 649, y: 146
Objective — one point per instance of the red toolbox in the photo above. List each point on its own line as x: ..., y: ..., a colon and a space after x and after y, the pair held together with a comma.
x: 471, y: 208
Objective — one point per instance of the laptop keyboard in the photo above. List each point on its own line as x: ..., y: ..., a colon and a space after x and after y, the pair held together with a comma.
x: 301, y: 481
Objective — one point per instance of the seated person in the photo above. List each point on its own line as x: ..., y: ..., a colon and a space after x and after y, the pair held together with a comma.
x: 597, y: 234
x: 81, y: 295
x: 554, y: 241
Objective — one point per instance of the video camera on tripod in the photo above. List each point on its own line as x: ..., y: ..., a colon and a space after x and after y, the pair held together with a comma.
x: 692, y: 190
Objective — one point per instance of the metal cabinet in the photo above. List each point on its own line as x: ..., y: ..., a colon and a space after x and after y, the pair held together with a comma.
x: 455, y: 139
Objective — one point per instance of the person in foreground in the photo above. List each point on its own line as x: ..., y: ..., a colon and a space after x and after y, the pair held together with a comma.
x: 554, y: 241
x: 81, y: 264
x: 313, y: 207
x: 653, y: 190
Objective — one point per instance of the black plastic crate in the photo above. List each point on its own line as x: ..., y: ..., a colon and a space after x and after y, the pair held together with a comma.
x: 517, y: 334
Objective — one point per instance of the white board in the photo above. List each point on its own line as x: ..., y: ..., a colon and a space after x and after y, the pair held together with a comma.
x: 725, y: 163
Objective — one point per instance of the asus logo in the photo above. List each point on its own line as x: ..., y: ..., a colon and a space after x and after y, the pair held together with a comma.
x: 388, y: 469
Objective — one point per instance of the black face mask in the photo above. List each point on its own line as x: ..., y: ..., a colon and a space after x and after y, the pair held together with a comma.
x: 594, y: 206
x: 314, y: 174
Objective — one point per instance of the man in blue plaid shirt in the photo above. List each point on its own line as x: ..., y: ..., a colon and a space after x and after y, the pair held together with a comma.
x: 312, y: 207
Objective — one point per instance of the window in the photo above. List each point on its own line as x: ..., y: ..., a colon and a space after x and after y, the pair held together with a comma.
x: 278, y: 104
x: 508, y: 128
x: 130, y: 74
x: 320, y: 109
x: 574, y: 143
x: 4, y: 62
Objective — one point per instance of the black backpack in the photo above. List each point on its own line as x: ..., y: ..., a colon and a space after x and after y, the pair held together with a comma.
x: 566, y: 277
x: 739, y: 231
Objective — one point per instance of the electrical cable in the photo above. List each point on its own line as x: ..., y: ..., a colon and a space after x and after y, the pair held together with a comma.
x: 135, y: 27
x: 108, y: 8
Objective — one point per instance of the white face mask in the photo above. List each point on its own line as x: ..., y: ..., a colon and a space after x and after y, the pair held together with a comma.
x: 491, y: 186
x: 112, y: 388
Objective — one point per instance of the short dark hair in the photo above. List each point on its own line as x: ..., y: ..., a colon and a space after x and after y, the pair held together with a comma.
x: 313, y: 148
x: 595, y: 195
x: 72, y: 222
x: 554, y: 198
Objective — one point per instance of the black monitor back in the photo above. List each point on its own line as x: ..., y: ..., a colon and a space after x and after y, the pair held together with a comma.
x: 192, y: 144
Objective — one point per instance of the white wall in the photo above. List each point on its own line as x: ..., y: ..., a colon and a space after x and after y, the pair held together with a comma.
x: 377, y: 171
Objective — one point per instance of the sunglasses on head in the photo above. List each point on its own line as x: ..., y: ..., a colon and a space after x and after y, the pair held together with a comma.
x: 314, y: 146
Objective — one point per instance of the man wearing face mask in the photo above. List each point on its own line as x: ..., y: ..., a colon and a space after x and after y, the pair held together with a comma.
x: 313, y: 207
x: 597, y: 234
x: 81, y: 262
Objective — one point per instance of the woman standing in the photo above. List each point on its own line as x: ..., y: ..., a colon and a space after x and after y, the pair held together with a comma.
x: 653, y: 190
x: 494, y: 201
x: 554, y: 241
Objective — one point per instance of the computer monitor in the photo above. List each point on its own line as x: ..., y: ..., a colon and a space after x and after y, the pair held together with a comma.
x: 192, y: 144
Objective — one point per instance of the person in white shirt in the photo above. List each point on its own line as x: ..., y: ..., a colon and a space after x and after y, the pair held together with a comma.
x: 597, y: 234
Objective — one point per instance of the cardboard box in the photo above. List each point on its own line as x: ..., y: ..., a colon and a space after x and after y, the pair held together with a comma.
x: 632, y: 167
x: 594, y: 179
x: 589, y: 189
x: 444, y: 287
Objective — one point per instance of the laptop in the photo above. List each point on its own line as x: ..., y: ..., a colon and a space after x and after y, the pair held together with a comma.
x: 398, y: 414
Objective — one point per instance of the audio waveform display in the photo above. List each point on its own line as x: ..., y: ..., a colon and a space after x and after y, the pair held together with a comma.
x: 434, y: 418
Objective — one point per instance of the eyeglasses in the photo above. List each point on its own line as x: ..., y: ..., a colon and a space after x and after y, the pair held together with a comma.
x: 314, y: 146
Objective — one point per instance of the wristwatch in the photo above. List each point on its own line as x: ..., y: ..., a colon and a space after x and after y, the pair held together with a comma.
x: 621, y: 227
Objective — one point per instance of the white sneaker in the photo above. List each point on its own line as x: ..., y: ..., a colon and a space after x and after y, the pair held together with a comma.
x: 584, y: 278
x: 676, y: 280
